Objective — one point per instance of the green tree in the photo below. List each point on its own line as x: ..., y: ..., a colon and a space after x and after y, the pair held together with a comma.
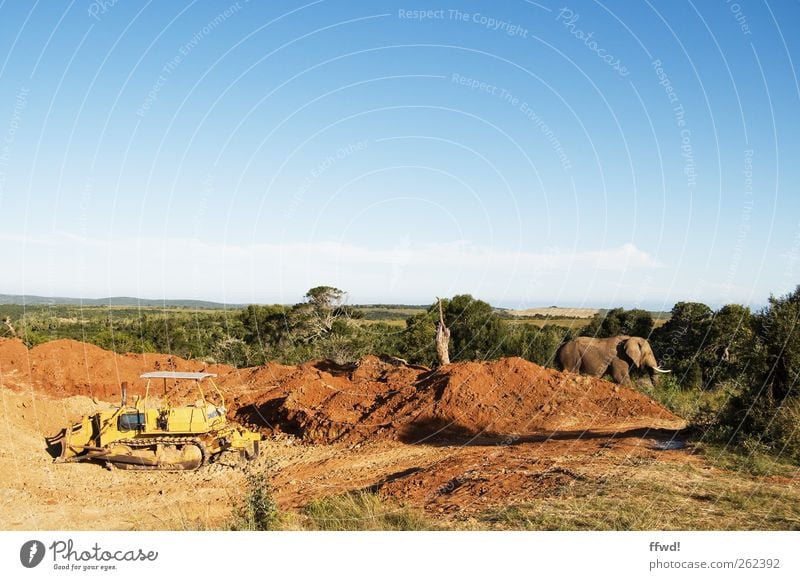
x: 317, y: 315
x: 417, y: 341
x: 617, y: 321
x: 638, y: 322
x: 728, y: 350
x: 320, y: 326
x: 679, y: 343
x: 477, y: 332
x: 264, y: 326
x: 767, y: 410
x: 168, y: 335
x: 379, y: 338
x: 535, y: 344
x: 121, y: 341
x: 232, y: 351
x: 603, y: 324
x: 778, y: 329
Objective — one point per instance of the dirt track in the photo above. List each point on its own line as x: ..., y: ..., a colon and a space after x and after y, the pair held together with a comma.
x: 455, y: 442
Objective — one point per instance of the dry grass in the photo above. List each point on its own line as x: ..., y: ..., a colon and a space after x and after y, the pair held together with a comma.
x: 663, y: 496
x: 748, y: 460
x: 399, y: 323
x: 644, y: 493
x: 360, y: 510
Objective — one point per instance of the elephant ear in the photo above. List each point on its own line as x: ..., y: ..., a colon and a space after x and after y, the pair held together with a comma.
x: 634, y: 350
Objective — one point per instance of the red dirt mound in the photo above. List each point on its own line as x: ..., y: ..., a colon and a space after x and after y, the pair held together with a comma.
x: 513, y: 395
x: 383, y: 398
x: 67, y: 367
x: 13, y: 355
x: 322, y: 401
x: 378, y: 398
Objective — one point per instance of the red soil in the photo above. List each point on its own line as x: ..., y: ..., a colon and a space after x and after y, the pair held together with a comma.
x: 67, y: 367
x: 379, y: 398
x: 505, y: 399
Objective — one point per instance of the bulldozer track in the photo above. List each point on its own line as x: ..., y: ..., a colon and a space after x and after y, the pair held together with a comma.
x: 174, y: 440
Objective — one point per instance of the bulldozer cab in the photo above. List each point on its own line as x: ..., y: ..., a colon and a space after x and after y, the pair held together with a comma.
x: 156, y: 414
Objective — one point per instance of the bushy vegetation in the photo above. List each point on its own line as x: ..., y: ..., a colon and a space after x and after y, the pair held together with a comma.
x: 765, y: 413
x: 320, y: 326
x: 258, y: 511
x: 184, y: 332
x: 741, y: 368
x: 635, y: 322
x: 476, y: 332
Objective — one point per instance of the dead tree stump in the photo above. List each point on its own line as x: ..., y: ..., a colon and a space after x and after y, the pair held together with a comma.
x: 442, y: 339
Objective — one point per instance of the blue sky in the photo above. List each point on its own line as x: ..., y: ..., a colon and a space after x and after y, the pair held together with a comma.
x: 529, y: 153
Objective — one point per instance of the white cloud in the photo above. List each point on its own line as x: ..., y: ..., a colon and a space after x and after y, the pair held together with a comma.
x: 69, y: 265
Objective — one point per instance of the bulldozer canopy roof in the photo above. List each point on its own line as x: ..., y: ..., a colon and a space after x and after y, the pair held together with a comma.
x: 176, y: 375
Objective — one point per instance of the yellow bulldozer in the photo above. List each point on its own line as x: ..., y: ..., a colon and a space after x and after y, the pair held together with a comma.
x: 152, y: 434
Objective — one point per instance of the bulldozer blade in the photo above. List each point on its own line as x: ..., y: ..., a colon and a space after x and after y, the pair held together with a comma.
x: 71, y: 441
x: 59, y: 442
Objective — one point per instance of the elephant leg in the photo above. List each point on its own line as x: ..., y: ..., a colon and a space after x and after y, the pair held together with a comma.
x: 569, y: 359
x: 573, y: 367
x: 619, y: 372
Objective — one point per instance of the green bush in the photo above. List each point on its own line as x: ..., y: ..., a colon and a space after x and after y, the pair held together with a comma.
x: 232, y: 351
x: 535, y: 344
x: 767, y: 412
x: 678, y: 343
x: 617, y: 321
x: 700, y: 407
x: 783, y: 431
x: 477, y: 332
x: 258, y: 510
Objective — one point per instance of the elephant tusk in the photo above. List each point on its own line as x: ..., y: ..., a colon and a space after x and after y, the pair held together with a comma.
x: 660, y: 370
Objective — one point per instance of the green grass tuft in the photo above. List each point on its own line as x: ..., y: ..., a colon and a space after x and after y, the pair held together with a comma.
x: 361, y: 510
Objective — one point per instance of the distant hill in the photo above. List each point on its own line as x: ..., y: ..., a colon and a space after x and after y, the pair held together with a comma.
x: 30, y: 300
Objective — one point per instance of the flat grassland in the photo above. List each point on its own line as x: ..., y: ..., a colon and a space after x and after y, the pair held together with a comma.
x: 555, y: 312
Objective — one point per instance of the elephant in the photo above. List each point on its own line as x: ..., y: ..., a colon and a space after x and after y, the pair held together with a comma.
x: 596, y: 356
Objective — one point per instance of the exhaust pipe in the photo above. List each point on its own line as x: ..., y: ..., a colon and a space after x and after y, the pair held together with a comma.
x: 660, y: 370
x: 124, y: 387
